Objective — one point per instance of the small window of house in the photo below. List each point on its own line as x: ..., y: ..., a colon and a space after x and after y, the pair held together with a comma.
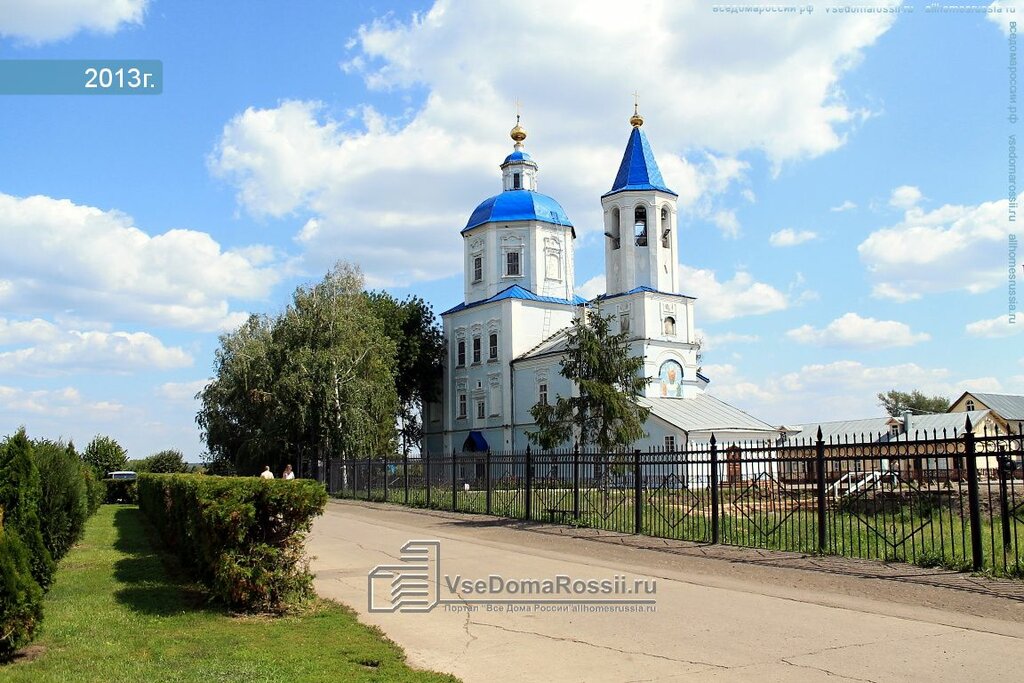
x: 624, y: 322
x: 666, y: 228
x: 894, y: 430
x: 478, y: 268
x: 512, y: 265
x: 970, y: 405
x: 476, y: 349
x: 462, y: 353
x: 462, y: 406
x: 542, y: 393
x: 481, y: 410
x: 670, y: 326
x: 517, y: 181
x: 670, y: 443
x: 493, y: 350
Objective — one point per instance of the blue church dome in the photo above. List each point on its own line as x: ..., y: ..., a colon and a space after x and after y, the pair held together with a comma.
x: 518, y: 155
x: 518, y: 205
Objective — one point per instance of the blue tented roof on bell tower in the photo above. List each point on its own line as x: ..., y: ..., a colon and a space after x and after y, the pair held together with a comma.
x: 638, y: 170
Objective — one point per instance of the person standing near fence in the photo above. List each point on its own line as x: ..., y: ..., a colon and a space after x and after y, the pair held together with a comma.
x: 288, y: 474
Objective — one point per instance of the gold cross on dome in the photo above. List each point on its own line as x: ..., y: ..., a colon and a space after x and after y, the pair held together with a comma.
x: 636, y: 101
x: 518, y: 112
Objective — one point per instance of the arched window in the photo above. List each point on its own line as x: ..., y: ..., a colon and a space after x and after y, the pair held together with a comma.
x: 612, y: 231
x: 970, y: 405
x: 670, y: 326
x: 666, y: 227
x: 640, y: 226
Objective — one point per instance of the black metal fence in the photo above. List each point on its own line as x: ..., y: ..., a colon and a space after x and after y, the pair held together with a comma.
x: 952, y: 500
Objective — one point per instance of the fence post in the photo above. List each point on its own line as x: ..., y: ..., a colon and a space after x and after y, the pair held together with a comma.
x: 714, y: 489
x: 819, y: 456
x: 487, y: 480
x: 405, y: 470
x: 1004, y: 468
x: 455, y: 504
x: 387, y: 465
x: 426, y: 475
x: 352, y: 462
x: 369, y: 475
x: 576, y: 481
x: 528, y: 507
x: 638, y: 494
x: 972, y: 495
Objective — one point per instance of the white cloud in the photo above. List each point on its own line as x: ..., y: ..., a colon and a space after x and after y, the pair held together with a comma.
x: 950, y: 248
x: 437, y: 160
x: 56, y: 403
x: 111, y: 270
x: 735, y: 298
x: 40, y: 21
x: 905, y: 197
x: 20, y: 331
x: 727, y: 223
x: 787, y: 237
x: 740, y: 296
x: 718, y: 341
x: 592, y: 287
x: 995, y: 328
x: 59, y: 351
x: 845, y: 206
x: 841, y: 390
x: 181, y: 392
x: 689, y: 81
x: 851, y: 330
x: 1001, y: 17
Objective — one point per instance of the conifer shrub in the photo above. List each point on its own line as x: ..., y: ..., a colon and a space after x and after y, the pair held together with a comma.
x: 63, y: 500
x: 243, y: 538
x: 95, y: 491
x: 20, y: 492
x: 21, y: 599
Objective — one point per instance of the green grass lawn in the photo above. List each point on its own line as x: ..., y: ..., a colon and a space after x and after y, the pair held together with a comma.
x: 114, y: 614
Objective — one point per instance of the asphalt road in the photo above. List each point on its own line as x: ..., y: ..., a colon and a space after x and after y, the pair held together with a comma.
x: 720, y: 613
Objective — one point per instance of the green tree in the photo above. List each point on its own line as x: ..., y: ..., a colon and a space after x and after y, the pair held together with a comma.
x: 238, y: 406
x: 20, y: 491
x: 164, y: 462
x: 896, y: 402
x: 604, y: 414
x: 419, y: 358
x: 104, y: 455
x: 314, y: 382
x: 63, y: 501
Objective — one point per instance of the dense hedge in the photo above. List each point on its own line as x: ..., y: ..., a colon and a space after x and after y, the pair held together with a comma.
x: 20, y: 491
x: 46, y: 494
x: 21, y: 598
x: 95, y: 491
x: 121, y: 491
x: 63, y: 500
x: 243, y: 538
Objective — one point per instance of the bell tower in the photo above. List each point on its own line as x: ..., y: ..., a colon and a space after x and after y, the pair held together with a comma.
x: 641, y: 248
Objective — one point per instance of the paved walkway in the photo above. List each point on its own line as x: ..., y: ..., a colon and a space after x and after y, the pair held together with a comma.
x: 722, y: 613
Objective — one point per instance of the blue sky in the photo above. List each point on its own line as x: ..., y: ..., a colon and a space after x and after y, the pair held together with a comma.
x: 842, y: 181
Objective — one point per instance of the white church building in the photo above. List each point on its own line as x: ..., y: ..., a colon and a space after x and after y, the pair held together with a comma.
x: 507, y: 338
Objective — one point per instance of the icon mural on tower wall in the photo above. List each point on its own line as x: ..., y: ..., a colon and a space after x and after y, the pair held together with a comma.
x: 671, y: 376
